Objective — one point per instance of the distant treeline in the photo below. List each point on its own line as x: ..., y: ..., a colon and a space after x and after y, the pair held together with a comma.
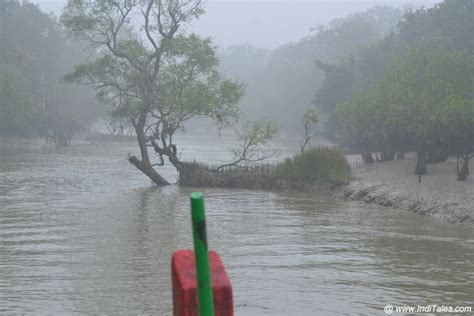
x: 282, y: 83
x: 413, y: 90
x: 34, y: 56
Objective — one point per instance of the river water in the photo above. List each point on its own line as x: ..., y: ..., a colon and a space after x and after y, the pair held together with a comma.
x: 83, y: 232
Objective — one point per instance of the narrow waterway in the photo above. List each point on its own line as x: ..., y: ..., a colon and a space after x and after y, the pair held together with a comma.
x: 82, y: 231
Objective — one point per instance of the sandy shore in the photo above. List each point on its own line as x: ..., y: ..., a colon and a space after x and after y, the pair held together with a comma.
x: 393, y: 184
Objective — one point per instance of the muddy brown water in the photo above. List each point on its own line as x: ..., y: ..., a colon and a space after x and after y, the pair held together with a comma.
x: 82, y: 232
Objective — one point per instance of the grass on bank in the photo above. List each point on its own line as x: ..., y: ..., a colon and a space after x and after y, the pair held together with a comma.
x: 317, y: 164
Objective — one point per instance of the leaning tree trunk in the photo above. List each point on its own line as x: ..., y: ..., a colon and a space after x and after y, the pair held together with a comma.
x: 464, y: 172
x: 144, y: 164
x: 420, y: 168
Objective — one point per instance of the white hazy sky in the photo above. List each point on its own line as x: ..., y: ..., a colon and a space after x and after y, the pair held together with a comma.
x: 267, y: 23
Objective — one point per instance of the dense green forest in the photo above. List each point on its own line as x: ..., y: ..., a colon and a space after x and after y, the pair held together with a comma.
x: 34, y: 56
x: 412, y: 90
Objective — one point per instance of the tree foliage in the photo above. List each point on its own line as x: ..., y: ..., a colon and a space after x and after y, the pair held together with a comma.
x: 154, y: 76
x: 445, y: 26
x: 18, y: 106
x: 326, y: 165
x: 253, y: 138
x: 424, y: 101
x: 34, y: 55
x: 310, y: 120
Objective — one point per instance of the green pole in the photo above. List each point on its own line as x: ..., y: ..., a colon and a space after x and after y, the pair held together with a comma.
x: 203, y: 272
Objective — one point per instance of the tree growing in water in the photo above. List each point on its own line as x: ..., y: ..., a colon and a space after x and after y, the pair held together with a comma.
x: 153, y: 75
x: 253, y: 138
x: 310, y: 120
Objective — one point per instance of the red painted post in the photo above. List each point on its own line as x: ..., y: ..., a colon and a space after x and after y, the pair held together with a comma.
x: 185, y: 302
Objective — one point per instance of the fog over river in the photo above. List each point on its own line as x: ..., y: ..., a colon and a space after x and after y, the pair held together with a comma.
x: 82, y: 231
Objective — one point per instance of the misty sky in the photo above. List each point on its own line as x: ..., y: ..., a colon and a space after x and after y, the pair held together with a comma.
x: 265, y: 23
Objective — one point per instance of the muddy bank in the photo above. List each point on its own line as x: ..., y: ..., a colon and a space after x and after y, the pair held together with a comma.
x: 393, y: 184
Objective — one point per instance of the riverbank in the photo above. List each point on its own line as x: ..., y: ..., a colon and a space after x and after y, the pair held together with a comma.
x: 393, y: 184
x: 390, y: 184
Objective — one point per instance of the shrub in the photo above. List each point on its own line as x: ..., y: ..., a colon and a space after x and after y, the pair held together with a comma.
x: 317, y: 164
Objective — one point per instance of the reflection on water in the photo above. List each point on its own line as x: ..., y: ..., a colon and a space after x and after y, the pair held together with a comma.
x: 81, y: 231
